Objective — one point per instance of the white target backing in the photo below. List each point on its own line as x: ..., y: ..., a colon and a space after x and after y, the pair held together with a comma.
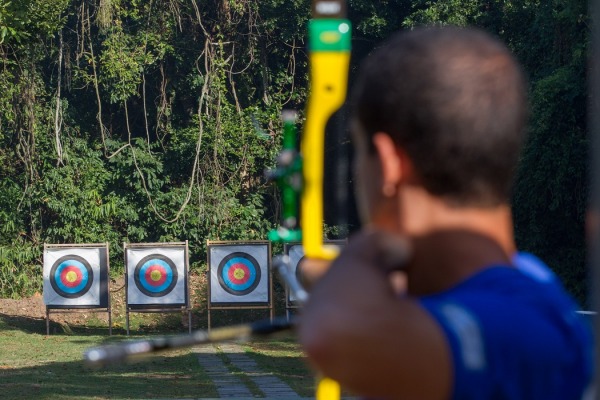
x: 156, y: 276
x: 239, y: 273
x: 73, y: 277
x: 296, y: 253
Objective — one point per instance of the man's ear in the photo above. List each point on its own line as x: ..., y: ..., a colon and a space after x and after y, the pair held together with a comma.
x: 393, y: 162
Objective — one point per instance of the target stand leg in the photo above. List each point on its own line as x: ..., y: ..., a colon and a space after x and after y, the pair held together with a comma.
x: 47, y: 321
x: 189, y: 311
x: 209, y: 319
x: 109, y: 323
x: 127, y: 320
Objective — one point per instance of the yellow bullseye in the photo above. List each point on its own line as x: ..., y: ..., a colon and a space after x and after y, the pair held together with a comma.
x: 239, y: 274
x: 71, y: 277
x: 155, y: 275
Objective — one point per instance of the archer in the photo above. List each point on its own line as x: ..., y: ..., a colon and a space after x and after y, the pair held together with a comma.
x: 439, y: 120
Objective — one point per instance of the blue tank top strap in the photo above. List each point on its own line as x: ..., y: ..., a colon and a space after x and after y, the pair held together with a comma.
x: 533, y: 267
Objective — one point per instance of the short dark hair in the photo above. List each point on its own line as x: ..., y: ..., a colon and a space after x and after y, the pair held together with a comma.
x: 455, y: 100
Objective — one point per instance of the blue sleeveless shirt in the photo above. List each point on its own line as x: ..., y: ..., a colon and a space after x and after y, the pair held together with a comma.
x: 514, y: 334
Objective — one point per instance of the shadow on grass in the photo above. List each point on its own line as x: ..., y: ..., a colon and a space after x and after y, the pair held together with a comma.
x: 25, y: 324
x: 38, y: 325
x: 141, y: 325
x: 152, y: 378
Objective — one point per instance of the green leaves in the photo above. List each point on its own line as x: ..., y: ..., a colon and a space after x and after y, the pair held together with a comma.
x: 445, y: 12
x: 160, y: 102
x: 25, y: 19
x: 121, y: 66
x: 13, y: 21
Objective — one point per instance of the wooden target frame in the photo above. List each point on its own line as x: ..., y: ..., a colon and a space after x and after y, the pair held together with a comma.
x: 99, y: 284
x: 213, y: 257
x: 181, y: 283
x: 295, y: 252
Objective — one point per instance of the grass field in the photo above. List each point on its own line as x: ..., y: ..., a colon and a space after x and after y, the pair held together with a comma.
x: 35, y: 366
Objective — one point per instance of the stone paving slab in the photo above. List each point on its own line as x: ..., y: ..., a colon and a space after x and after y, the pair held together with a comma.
x: 227, y: 384
x: 270, y: 385
x: 230, y: 386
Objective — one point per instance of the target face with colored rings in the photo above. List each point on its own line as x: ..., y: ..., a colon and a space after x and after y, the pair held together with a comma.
x: 71, y: 276
x: 155, y: 275
x: 239, y: 273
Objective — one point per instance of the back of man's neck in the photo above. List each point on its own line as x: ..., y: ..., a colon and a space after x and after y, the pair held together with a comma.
x: 446, y: 258
x: 457, y: 243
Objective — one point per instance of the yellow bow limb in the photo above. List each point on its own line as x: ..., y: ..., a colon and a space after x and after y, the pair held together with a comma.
x: 329, y: 76
x: 329, y: 58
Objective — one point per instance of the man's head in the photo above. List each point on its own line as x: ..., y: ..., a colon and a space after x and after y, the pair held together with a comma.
x: 453, y: 100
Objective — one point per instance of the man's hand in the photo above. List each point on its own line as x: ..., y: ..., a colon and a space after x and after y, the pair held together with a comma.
x: 311, y: 270
x: 357, y: 330
x: 390, y: 253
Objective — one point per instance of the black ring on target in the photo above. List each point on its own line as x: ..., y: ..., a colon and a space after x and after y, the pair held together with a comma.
x: 155, y: 275
x: 239, y: 273
x: 71, y: 276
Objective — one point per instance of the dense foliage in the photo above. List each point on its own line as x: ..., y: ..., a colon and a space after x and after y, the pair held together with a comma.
x: 144, y: 120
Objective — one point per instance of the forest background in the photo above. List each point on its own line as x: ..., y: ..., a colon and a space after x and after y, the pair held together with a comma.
x: 153, y: 120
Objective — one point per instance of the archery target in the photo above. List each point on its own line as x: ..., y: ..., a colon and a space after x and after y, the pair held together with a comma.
x: 239, y: 273
x: 72, y: 277
x: 156, y: 276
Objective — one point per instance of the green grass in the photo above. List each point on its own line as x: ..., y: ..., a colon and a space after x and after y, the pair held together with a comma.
x: 35, y: 366
x: 282, y: 356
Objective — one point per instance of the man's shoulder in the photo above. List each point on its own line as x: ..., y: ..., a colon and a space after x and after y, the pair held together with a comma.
x: 515, y: 324
x: 527, y: 293
x: 528, y: 282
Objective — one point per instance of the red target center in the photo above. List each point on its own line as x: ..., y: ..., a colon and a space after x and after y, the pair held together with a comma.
x: 71, y: 276
x: 238, y: 274
x: 156, y: 275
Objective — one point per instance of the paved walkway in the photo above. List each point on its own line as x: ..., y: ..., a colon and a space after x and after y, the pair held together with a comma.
x: 230, y: 385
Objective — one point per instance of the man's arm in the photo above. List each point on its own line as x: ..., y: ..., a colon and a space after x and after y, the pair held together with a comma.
x: 356, y: 330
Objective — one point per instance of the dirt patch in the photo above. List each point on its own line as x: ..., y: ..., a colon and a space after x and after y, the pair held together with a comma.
x: 34, y: 308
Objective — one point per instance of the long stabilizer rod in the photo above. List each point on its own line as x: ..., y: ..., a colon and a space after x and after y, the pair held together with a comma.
x: 117, y: 353
x: 120, y: 352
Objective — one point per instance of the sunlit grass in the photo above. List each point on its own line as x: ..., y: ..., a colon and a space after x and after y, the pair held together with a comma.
x: 36, y: 366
